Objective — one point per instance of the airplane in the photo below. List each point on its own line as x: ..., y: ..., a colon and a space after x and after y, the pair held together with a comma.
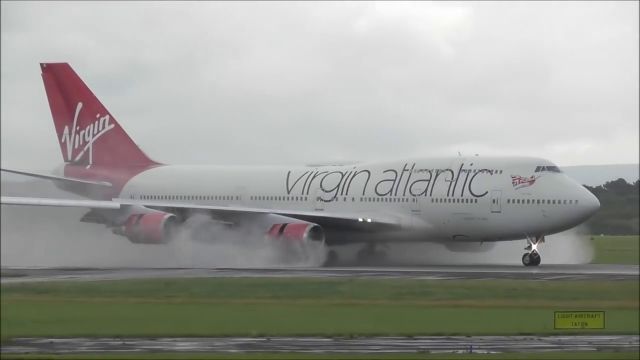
x: 460, y: 201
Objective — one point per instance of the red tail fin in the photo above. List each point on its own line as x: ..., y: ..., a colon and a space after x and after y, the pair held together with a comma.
x: 87, y: 132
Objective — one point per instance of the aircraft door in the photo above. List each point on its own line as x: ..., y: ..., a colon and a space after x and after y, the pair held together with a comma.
x: 317, y: 200
x: 496, y: 201
x: 241, y: 196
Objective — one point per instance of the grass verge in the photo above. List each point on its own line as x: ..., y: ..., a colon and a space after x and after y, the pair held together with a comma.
x: 294, y: 306
x: 610, y: 249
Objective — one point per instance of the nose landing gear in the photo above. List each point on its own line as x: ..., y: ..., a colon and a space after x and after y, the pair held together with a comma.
x: 532, y: 258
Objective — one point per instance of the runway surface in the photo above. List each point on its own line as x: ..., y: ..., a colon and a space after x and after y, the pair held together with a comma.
x: 546, y: 272
x: 432, y: 344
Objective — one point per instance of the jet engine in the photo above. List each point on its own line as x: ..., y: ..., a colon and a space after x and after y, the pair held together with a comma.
x: 296, y: 232
x: 150, y: 228
x: 297, y: 241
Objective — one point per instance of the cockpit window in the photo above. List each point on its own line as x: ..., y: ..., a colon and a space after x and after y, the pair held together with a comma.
x: 548, y: 168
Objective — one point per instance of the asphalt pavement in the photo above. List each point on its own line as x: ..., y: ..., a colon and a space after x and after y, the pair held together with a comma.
x: 544, y: 272
x: 426, y: 344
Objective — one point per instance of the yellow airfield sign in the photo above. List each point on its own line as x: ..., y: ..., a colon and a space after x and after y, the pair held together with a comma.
x: 578, y: 320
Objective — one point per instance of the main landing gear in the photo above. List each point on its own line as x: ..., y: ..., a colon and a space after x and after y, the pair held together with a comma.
x: 332, y: 258
x: 532, y: 257
x: 370, y: 254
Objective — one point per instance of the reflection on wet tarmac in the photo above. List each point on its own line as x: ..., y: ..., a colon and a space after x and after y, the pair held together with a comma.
x: 547, y: 272
x: 431, y: 344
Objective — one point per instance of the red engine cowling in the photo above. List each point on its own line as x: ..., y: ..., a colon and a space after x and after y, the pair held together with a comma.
x: 301, y: 232
x: 150, y: 228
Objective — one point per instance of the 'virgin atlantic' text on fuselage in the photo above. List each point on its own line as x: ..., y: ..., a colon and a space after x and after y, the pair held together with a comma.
x: 407, y: 181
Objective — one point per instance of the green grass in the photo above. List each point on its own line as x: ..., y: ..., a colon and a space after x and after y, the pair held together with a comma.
x: 325, y: 290
x: 71, y: 320
x: 591, y: 355
x: 623, y: 249
x: 330, y: 307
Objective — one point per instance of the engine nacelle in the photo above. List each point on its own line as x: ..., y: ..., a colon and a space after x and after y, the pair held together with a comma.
x: 297, y: 232
x: 150, y: 228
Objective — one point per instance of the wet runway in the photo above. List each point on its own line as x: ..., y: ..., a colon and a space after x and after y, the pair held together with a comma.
x: 431, y: 344
x: 546, y: 272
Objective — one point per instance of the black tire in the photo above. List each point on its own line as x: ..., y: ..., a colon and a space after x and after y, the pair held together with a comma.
x: 368, y: 257
x: 364, y: 255
x: 535, y: 258
x: 332, y: 258
x: 526, y: 259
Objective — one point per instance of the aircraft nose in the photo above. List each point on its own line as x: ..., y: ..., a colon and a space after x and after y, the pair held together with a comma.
x: 590, y: 203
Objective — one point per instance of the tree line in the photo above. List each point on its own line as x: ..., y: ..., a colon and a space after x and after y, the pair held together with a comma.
x: 619, y: 207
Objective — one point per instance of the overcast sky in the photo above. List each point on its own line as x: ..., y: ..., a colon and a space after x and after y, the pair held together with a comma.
x: 292, y: 83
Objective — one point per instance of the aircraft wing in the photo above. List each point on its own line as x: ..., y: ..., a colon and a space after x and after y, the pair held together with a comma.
x: 32, y: 201
x: 358, y: 222
x: 58, y: 178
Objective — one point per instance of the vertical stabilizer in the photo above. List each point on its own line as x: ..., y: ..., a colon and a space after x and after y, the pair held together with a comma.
x: 88, y: 134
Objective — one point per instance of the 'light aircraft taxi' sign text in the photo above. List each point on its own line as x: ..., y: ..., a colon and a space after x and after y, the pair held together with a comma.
x: 578, y: 320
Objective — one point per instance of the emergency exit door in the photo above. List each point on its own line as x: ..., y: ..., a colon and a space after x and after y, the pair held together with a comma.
x: 496, y: 201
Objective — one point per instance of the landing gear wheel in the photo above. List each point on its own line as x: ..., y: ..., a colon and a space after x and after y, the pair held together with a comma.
x: 332, y: 258
x: 369, y: 255
x: 535, y: 258
x: 526, y: 259
x: 363, y: 254
x: 531, y: 259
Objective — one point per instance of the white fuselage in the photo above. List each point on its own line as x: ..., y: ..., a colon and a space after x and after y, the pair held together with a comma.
x: 459, y: 199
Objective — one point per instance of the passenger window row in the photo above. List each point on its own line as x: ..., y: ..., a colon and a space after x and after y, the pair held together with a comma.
x: 388, y: 199
x: 277, y: 198
x: 454, y: 200
x: 362, y: 199
x: 190, y: 197
x: 473, y: 171
x: 268, y: 198
x: 542, y: 201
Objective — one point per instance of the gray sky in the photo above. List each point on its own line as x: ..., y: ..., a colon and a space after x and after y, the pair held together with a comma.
x: 292, y: 83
